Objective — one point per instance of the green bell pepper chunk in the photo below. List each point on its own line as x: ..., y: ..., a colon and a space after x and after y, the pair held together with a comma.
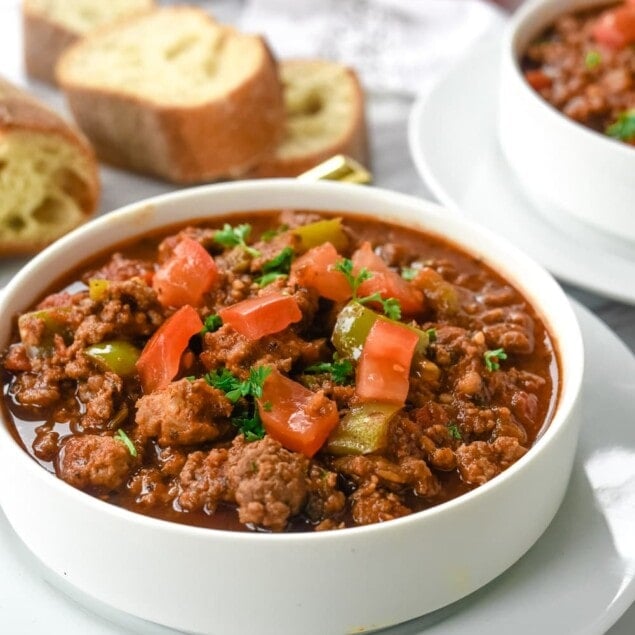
x: 354, y: 322
x: 320, y: 232
x: 363, y: 430
x: 117, y: 356
x: 40, y: 343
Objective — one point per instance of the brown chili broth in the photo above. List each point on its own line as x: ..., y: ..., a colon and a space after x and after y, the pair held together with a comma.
x: 22, y: 423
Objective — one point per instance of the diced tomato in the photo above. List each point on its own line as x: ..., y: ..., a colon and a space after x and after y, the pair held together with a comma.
x: 159, y: 361
x: 386, y: 282
x: 186, y: 276
x: 256, y: 317
x: 384, y: 365
x: 299, y: 419
x: 537, y: 79
x: 615, y: 28
x: 314, y: 270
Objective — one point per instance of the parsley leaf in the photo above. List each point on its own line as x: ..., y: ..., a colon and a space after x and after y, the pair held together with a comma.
x: 235, y: 237
x: 212, y: 323
x: 278, y: 266
x: 432, y: 335
x: 409, y: 273
x: 270, y: 234
x: 340, y: 369
x: 492, y: 358
x: 624, y: 127
x: 390, y: 306
x: 592, y: 60
x: 120, y: 435
x: 246, y: 419
x: 454, y: 431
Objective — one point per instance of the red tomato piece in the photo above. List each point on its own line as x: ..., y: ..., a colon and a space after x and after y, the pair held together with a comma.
x: 615, y: 28
x: 386, y: 282
x: 299, y: 419
x: 160, y: 359
x: 537, y: 79
x: 314, y: 270
x: 384, y: 365
x: 186, y: 276
x: 256, y: 317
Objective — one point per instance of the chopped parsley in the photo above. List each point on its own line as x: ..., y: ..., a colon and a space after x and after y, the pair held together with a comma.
x: 592, y: 60
x: 277, y: 267
x: 235, y: 237
x: 120, y: 435
x: 432, y: 335
x: 340, y: 369
x: 454, y: 431
x: 409, y: 273
x: 624, y: 128
x: 390, y: 306
x: 212, y: 323
x: 246, y: 419
x: 493, y: 357
x: 270, y: 234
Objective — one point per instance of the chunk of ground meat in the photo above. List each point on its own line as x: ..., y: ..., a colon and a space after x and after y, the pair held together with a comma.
x: 325, y: 500
x: 102, y: 396
x: 150, y: 489
x: 183, y: 413
x: 91, y: 461
x: 510, y: 328
x: 227, y: 348
x: 39, y: 390
x: 270, y: 483
x: 479, y: 462
x: 122, y: 268
x: 371, y: 505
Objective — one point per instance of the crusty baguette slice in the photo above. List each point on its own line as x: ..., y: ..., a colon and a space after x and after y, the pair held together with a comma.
x: 175, y: 94
x: 49, y: 181
x: 50, y: 26
x: 324, y: 103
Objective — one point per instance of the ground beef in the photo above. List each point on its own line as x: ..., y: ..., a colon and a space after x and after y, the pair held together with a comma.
x: 150, y: 489
x: 480, y: 462
x: 591, y: 90
x: 102, y: 394
x: 121, y: 268
x: 183, y: 413
x: 202, y: 484
x: 370, y: 505
x: 96, y: 462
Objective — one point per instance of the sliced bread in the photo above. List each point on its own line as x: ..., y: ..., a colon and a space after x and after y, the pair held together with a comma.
x: 175, y: 94
x: 324, y: 105
x: 49, y: 181
x: 50, y: 26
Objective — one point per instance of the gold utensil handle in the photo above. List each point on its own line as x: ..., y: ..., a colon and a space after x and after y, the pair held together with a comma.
x: 338, y: 168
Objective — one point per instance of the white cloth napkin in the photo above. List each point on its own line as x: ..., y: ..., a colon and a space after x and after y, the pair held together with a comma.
x: 397, y: 46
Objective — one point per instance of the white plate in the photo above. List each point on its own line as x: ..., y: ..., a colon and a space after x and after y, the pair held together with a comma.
x: 578, y: 578
x: 454, y: 144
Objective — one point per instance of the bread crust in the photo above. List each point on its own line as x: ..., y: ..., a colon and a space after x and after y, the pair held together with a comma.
x: 353, y: 141
x: 19, y: 111
x: 220, y: 138
x: 44, y: 42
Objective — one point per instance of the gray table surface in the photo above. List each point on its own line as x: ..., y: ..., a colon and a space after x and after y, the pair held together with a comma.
x: 392, y: 166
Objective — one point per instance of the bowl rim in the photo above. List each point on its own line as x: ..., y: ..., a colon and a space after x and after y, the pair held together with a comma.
x: 570, y: 371
x: 521, y: 25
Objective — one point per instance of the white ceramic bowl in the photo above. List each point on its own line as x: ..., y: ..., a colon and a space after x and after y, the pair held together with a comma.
x: 566, y: 168
x: 330, y: 583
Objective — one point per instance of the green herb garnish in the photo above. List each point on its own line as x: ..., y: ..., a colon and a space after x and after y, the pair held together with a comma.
x: 235, y: 237
x: 409, y: 273
x: 120, y: 435
x: 246, y: 420
x: 341, y: 370
x: 432, y: 335
x: 493, y: 357
x: 277, y: 267
x: 454, y: 431
x: 390, y: 306
x: 592, y: 60
x: 270, y: 234
x: 624, y: 128
x: 212, y: 323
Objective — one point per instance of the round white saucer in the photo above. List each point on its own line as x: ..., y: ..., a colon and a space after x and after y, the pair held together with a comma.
x: 578, y: 579
x: 454, y: 144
